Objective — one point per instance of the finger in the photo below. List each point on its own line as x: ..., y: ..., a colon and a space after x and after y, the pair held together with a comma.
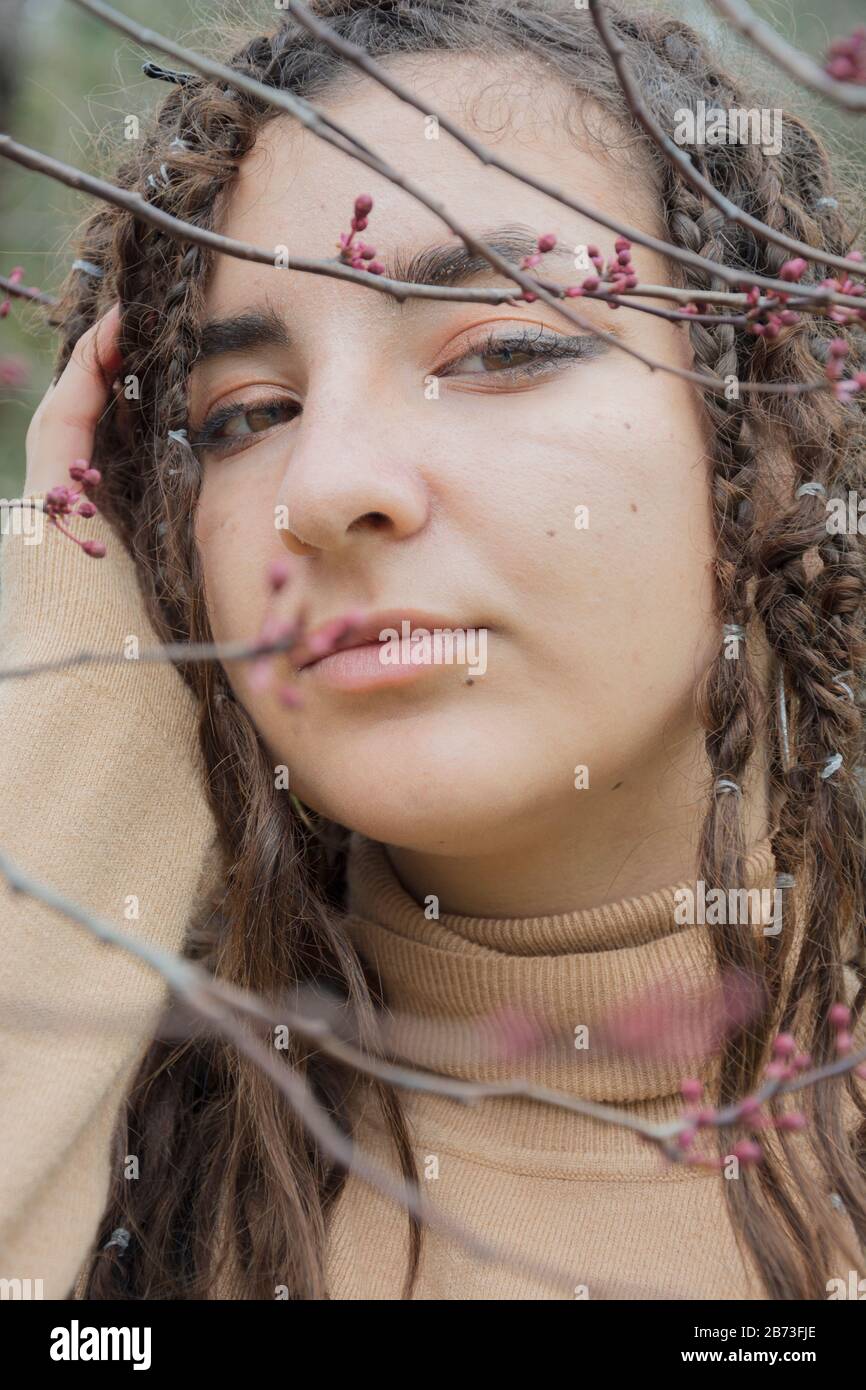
x: 71, y: 409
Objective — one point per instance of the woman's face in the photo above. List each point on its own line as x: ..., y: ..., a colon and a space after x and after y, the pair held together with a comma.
x: 560, y: 502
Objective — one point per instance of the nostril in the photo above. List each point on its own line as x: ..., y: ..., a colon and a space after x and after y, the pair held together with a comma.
x: 375, y: 520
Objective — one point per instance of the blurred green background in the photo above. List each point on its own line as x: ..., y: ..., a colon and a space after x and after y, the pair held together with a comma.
x: 66, y: 84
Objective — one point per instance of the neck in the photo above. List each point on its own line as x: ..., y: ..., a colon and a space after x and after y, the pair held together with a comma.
x: 618, y: 838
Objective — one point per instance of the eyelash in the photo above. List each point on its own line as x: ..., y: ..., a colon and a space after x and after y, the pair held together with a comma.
x: 551, y: 349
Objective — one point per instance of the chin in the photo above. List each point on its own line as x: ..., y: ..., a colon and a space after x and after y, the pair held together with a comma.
x: 460, y: 798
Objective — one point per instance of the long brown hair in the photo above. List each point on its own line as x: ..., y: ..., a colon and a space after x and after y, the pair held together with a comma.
x: 210, y: 1132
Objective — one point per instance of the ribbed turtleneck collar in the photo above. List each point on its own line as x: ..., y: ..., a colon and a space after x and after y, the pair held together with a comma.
x: 465, y: 990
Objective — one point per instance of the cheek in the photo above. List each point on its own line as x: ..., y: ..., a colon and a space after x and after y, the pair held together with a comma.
x: 613, y: 548
x: 235, y: 544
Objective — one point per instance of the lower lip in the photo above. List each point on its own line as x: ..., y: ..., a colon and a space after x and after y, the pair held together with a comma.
x: 361, y: 668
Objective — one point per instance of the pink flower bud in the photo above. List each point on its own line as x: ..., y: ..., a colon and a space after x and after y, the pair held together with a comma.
x: 844, y: 1042
x: 794, y: 269
x: 289, y: 697
x: 58, y: 499
x: 260, y: 674
x: 529, y: 298
x: 363, y: 204
x: 546, y: 242
x: 785, y: 1045
x: 793, y: 1122
x: 691, y: 1089
x: 278, y: 573
x: 78, y: 469
x: 573, y: 292
x: 838, y: 348
x: 622, y: 244
x: 375, y: 268
x: 593, y: 253
x: 91, y: 476
x: 591, y: 282
x: 94, y: 548
x: 86, y: 509
x: 747, y: 1151
x: 840, y: 1016
x: 359, y: 224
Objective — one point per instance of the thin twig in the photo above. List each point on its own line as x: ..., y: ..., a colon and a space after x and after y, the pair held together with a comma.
x: 210, y: 1001
x: 185, y: 231
x: 849, y: 95
x: 682, y: 161
x: 242, y: 250
x: 520, y: 277
x: 359, y: 58
x: 194, y: 985
x: 16, y: 291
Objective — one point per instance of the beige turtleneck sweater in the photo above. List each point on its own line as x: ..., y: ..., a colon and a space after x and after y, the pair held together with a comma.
x: 103, y: 799
x: 592, y: 1200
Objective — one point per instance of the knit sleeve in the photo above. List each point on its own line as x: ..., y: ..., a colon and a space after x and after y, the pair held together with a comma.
x: 103, y: 799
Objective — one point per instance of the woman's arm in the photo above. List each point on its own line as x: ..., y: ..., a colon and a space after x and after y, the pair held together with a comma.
x: 102, y: 797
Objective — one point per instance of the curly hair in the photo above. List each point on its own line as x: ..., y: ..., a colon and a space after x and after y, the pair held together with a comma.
x: 209, y: 1128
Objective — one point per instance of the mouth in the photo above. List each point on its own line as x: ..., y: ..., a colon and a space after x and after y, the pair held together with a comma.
x: 384, y: 649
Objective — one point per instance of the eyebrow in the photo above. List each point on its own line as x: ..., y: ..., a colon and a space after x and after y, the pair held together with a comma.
x: 243, y: 332
x: 453, y: 264
x: 450, y: 264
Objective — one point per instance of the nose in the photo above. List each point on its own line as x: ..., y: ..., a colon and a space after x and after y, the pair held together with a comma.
x: 348, y: 478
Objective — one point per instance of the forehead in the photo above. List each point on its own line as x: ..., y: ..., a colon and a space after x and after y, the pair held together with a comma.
x: 293, y: 190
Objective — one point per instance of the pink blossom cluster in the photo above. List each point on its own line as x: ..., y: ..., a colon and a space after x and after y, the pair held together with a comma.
x: 292, y: 632
x: 14, y: 371
x: 846, y: 58
x: 787, y: 1064
x: 843, y: 387
x: 63, y: 501
x: 14, y: 277
x: 359, y: 255
x: 619, y: 274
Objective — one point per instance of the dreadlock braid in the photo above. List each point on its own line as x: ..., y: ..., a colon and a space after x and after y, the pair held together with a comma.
x: 778, y: 187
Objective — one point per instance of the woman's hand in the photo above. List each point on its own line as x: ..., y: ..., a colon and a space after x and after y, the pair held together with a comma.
x: 64, y: 424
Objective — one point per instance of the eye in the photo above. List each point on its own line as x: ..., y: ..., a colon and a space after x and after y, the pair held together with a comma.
x: 231, y: 426
x: 516, y: 356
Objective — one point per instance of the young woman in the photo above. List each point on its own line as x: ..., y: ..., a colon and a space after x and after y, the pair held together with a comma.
x: 467, y: 848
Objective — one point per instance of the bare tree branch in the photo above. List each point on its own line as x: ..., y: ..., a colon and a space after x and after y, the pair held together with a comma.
x: 212, y: 1002
x: 526, y: 282
x: 242, y: 250
x: 683, y: 163
x: 16, y: 291
x: 850, y: 96
x: 359, y: 58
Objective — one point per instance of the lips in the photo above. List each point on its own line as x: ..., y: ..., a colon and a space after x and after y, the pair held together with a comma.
x: 365, y: 631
